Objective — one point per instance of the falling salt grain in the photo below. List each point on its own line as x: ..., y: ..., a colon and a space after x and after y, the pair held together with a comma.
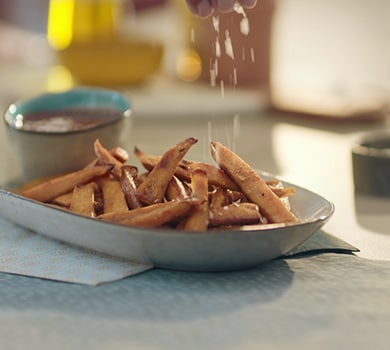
x: 213, y: 73
x: 234, y: 76
x: 252, y: 54
x: 228, y: 45
x: 222, y: 89
x: 217, y: 47
x: 236, y: 127
x: 244, y: 24
x: 215, y: 20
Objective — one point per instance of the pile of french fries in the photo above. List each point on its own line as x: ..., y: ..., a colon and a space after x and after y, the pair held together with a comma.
x: 171, y: 192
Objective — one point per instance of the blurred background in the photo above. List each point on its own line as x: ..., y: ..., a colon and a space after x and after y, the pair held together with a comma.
x: 152, y: 48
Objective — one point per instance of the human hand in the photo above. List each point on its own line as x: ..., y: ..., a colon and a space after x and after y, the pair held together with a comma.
x: 204, y: 8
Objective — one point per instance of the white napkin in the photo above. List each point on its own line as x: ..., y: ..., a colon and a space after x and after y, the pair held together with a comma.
x: 26, y: 253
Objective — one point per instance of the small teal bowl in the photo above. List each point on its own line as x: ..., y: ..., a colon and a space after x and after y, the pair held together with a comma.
x: 53, y: 133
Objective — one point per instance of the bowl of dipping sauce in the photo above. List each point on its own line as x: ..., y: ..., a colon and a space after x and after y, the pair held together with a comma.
x: 53, y: 133
x: 371, y: 163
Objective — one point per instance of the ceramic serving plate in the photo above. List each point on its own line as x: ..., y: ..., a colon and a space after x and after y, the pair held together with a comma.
x: 191, y: 251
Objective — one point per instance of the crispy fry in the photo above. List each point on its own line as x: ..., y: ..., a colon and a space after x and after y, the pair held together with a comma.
x: 199, y: 216
x: 105, y: 157
x: 120, y: 154
x: 47, y: 191
x: 83, y: 200
x: 218, y: 198
x: 129, y: 187
x: 282, y: 192
x: 147, y: 160
x: 113, y: 197
x: 63, y: 200
x: 175, y: 189
x: 216, y: 176
x: 252, y: 185
x: 173, y: 193
x: 117, y: 152
x: 184, y: 169
x: 152, y: 190
x: 37, y: 182
x: 154, y: 215
x: 234, y: 214
x: 235, y: 196
x: 99, y: 202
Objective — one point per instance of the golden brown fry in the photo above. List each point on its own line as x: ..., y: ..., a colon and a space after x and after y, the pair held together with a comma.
x: 37, y: 182
x: 63, y: 200
x: 154, y: 215
x: 147, y: 160
x: 153, y: 188
x: 199, y: 216
x: 282, y: 192
x: 106, y: 158
x: 252, y: 185
x: 99, y: 202
x: 120, y: 154
x: 166, y: 213
x: 236, y: 196
x: 47, y: 191
x: 175, y: 190
x: 83, y: 200
x: 234, y: 214
x: 129, y: 187
x: 173, y: 193
x: 218, y: 198
x: 185, y: 168
x: 216, y: 176
x: 113, y: 197
x: 117, y: 152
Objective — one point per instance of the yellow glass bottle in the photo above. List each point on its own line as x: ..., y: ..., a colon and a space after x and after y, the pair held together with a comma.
x: 81, y: 21
x: 87, y: 37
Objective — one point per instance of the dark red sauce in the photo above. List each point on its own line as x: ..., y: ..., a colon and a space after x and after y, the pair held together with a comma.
x: 68, y: 120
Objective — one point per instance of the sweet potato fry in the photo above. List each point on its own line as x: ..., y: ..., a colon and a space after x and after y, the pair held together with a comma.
x: 113, y: 197
x: 197, y: 220
x: 37, y: 182
x: 154, y: 215
x: 252, y: 185
x: 147, y: 160
x: 63, y: 200
x: 283, y: 192
x: 216, y: 176
x: 175, y: 190
x: 152, y: 190
x: 105, y: 158
x: 218, y: 198
x: 117, y: 152
x: 83, y: 200
x: 47, y: 191
x: 184, y: 169
x: 234, y: 214
x: 120, y: 154
x: 129, y: 187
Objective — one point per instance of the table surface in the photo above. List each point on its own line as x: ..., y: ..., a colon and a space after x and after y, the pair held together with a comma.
x: 322, y: 300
